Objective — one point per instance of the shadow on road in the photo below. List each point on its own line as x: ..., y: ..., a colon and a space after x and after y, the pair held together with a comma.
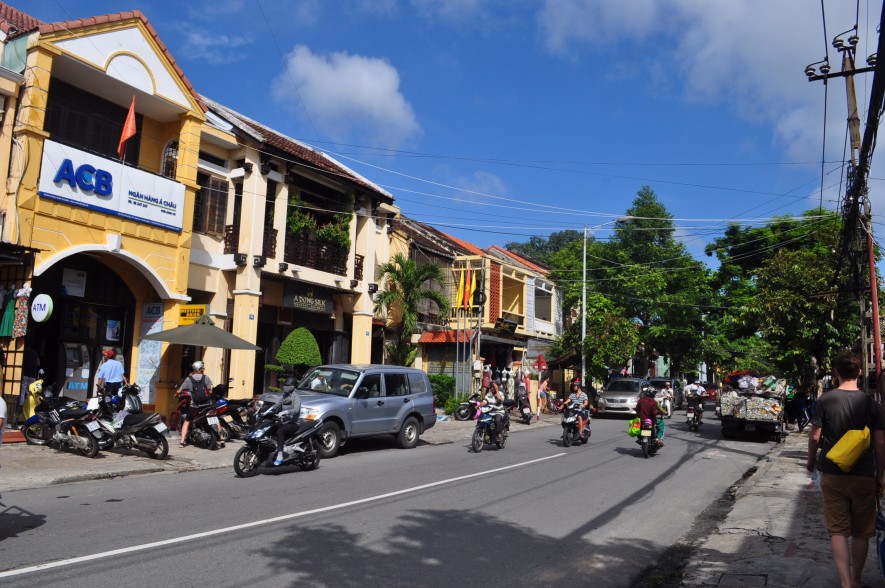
x: 15, y: 520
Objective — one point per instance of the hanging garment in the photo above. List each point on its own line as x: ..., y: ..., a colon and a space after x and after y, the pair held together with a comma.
x: 22, y: 308
x: 8, y: 314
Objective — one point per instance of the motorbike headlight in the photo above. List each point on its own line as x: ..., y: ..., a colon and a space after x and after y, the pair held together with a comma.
x: 309, y: 414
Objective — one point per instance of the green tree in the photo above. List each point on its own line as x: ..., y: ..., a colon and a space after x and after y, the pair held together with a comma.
x: 300, y: 350
x: 406, y: 285
x: 542, y: 249
x: 779, y: 290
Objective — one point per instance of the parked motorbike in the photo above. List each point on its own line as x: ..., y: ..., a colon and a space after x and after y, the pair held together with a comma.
x: 63, y: 422
x: 204, y: 428
x: 466, y: 411
x: 125, y: 424
x: 486, y: 432
x: 648, y: 438
x: 693, y: 417
x: 570, y: 433
x: 665, y: 400
x: 233, y: 414
x: 260, y: 449
x: 524, y: 406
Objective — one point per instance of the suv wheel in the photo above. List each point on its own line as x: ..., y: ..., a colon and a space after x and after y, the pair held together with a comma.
x: 407, y: 437
x: 330, y: 439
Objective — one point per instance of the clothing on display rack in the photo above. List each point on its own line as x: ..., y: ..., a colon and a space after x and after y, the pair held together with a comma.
x: 8, y: 313
x: 22, y: 307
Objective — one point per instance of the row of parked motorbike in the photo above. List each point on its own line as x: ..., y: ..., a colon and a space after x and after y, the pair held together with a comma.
x: 118, y: 420
x: 106, y: 421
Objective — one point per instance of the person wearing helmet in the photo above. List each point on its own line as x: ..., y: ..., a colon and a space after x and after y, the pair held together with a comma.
x: 288, y: 413
x: 196, y: 376
x: 648, y: 409
x: 694, y: 395
x: 110, y: 378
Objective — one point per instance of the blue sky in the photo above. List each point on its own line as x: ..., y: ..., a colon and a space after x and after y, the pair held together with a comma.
x: 496, y: 120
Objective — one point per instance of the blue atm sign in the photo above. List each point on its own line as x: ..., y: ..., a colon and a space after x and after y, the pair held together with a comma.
x: 85, y: 180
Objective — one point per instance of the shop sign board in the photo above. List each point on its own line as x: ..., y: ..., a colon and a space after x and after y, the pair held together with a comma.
x: 189, y: 313
x: 301, y: 296
x: 86, y: 180
x: 148, y: 373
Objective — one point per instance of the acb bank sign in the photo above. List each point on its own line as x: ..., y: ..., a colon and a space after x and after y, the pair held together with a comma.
x: 88, y: 181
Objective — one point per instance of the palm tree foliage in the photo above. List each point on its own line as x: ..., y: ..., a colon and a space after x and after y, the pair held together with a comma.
x: 406, y: 285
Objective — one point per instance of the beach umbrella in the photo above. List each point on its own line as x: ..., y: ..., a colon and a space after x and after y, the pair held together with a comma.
x: 203, y: 333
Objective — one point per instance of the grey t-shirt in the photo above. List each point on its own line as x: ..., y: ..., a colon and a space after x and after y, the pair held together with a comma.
x: 839, y: 411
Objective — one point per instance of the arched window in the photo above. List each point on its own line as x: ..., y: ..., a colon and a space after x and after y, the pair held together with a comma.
x: 170, y: 159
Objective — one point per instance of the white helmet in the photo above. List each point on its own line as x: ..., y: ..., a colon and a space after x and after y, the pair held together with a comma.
x: 197, y: 365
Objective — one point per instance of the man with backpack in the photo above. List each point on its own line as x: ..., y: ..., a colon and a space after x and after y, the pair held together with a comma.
x: 199, y: 386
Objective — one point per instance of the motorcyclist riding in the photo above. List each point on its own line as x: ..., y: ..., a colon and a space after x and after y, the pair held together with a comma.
x: 648, y: 409
x: 579, y: 396
x: 694, y: 396
x: 494, y: 398
x: 290, y: 408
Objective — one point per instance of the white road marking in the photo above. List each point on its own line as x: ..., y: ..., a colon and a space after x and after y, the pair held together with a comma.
x: 134, y: 548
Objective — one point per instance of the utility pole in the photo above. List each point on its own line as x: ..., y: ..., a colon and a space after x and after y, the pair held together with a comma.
x: 857, y: 240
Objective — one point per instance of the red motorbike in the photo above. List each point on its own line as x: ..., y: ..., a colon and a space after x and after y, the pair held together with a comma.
x: 204, y: 430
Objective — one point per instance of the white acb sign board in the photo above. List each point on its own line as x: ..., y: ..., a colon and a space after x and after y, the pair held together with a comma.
x: 89, y: 181
x: 41, y: 308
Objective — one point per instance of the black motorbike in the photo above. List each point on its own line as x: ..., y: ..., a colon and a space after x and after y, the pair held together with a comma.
x: 125, y: 424
x: 693, y: 418
x: 62, y: 422
x: 570, y: 434
x: 204, y: 427
x: 234, y: 415
x: 467, y: 409
x: 486, y: 432
x: 648, y: 438
x: 303, y: 449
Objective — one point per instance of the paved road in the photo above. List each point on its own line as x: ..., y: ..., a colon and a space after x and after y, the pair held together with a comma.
x: 533, y: 514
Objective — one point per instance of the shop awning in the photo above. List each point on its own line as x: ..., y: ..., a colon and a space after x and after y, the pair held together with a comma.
x: 429, y: 337
x: 501, y: 340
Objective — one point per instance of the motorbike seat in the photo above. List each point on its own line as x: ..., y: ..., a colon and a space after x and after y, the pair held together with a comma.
x: 133, y: 419
x: 508, y: 403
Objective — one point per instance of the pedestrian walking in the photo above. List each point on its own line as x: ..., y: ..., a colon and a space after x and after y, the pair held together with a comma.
x: 850, y: 498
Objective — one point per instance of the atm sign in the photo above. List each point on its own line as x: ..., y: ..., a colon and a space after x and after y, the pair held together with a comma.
x: 189, y: 313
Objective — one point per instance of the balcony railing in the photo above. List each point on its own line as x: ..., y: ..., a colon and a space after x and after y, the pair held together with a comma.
x: 358, y: 267
x: 231, y: 238
x: 321, y: 256
x: 269, y: 247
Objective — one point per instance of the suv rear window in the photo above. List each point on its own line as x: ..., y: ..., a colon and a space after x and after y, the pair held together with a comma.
x: 417, y: 383
x: 396, y: 385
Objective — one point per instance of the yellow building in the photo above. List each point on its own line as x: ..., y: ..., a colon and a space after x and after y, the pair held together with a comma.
x: 293, y: 240
x: 112, y: 234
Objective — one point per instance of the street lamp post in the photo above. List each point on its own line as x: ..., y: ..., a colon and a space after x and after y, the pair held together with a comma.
x: 619, y: 220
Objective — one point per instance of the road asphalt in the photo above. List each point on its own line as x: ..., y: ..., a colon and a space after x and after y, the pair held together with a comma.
x: 773, y: 536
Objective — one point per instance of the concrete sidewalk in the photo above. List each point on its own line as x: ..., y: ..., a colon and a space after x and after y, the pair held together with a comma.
x: 25, y: 466
x: 774, y: 535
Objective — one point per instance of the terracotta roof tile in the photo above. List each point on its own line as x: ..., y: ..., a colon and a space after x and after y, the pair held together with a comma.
x: 12, y: 17
x: 473, y: 249
x: 445, y: 336
x: 530, y: 264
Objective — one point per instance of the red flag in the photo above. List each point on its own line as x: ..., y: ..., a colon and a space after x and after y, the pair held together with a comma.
x: 467, y: 293
x: 129, y: 129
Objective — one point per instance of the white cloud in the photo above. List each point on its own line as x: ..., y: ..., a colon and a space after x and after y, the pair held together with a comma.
x: 748, y: 56
x: 213, y: 48
x: 347, y: 96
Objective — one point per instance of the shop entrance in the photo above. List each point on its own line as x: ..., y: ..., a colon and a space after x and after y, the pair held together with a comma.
x: 93, y: 311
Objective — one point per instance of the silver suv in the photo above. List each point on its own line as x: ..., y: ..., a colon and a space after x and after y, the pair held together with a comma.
x: 366, y: 400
